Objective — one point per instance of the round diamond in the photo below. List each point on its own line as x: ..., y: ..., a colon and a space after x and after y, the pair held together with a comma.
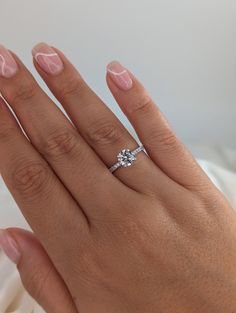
x: 126, y: 157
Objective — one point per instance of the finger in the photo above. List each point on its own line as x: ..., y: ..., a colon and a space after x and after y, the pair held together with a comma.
x: 160, y: 141
x: 36, y: 270
x: 46, y: 204
x: 51, y: 133
x: 94, y: 120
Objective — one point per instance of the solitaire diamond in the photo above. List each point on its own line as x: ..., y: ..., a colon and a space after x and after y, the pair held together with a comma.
x: 126, y: 158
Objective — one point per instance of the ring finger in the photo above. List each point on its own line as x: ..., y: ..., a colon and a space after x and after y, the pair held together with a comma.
x: 94, y: 120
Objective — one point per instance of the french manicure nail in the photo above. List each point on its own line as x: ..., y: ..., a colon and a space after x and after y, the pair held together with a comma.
x: 120, y: 75
x: 9, y: 246
x: 8, y: 65
x: 48, y: 59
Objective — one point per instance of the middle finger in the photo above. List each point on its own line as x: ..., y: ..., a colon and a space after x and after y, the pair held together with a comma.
x: 77, y: 165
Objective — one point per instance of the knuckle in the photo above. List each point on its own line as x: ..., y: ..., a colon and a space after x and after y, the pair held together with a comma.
x: 167, y: 138
x: 142, y: 104
x: 23, y: 92
x: 104, y: 134
x: 29, y: 179
x: 164, y: 140
x: 6, y: 132
x: 71, y: 87
x: 61, y: 142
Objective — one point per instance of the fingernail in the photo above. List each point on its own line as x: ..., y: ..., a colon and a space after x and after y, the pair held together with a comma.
x: 120, y: 75
x: 48, y: 59
x: 9, y: 246
x: 8, y: 65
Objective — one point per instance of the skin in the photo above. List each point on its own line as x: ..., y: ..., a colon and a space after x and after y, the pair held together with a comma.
x: 155, y: 237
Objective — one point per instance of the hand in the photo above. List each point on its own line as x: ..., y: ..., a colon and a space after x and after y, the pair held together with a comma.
x: 154, y: 237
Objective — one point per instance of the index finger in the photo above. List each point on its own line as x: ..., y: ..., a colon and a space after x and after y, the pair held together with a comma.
x: 45, y: 203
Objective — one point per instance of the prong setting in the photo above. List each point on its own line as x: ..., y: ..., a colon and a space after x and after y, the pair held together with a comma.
x: 126, y: 158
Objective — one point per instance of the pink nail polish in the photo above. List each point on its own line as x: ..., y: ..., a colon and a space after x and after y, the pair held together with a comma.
x: 47, y: 59
x: 120, y: 75
x: 9, y: 246
x: 8, y: 65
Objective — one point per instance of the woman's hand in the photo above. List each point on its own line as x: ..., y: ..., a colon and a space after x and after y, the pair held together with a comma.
x: 154, y: 237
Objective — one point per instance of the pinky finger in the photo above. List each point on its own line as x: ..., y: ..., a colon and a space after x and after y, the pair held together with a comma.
x: 37, y: 272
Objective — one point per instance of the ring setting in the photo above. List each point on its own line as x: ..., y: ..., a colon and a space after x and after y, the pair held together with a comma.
x: 126, y: 158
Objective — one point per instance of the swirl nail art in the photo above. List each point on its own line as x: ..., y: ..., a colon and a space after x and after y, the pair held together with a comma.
x: 120, y: 75
x: 47, y: 59
x: 8, y: 66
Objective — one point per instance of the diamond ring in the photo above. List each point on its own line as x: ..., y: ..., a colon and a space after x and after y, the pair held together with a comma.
x: 126, y: 158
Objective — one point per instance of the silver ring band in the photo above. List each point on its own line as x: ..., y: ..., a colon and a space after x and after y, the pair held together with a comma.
x: 126, y: 158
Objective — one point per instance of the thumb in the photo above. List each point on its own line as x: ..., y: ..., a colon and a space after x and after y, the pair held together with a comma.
x: 38, y: 274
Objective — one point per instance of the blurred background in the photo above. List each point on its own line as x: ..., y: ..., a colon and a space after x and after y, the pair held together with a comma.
x: 183, y: 51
